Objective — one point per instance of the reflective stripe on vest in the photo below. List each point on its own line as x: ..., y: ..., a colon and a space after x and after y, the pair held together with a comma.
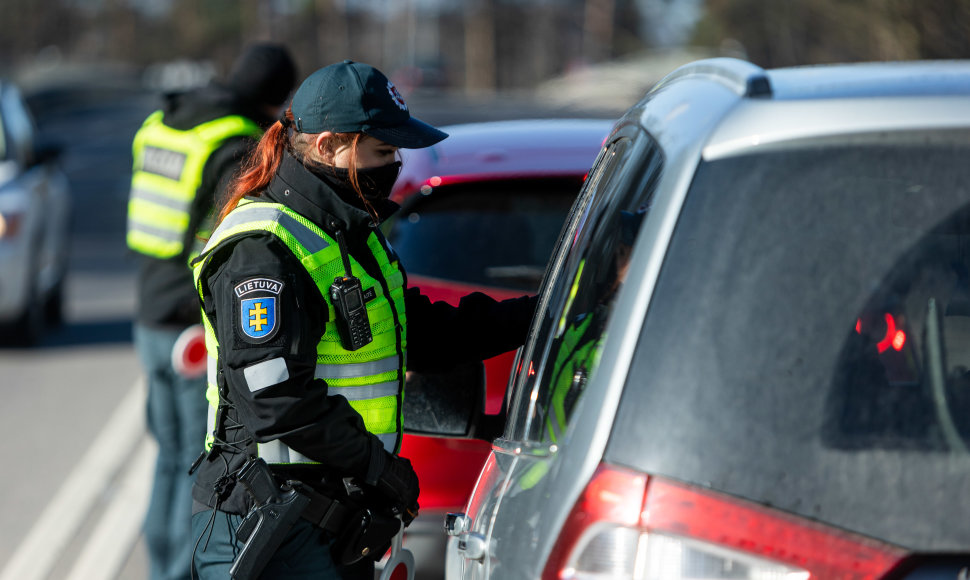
x: 370, y: 378
x: 351, y: 370
x: 275, y: 452
x: 167, y: 174
x: 249, y: 217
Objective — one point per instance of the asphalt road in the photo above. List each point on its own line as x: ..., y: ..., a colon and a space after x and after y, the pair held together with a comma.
x: 74, y: 413
x: 77, y: 461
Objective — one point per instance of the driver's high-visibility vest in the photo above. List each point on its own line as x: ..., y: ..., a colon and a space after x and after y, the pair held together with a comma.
x: 166, y: 176
x: 371, y: 378
x: 578, y: 355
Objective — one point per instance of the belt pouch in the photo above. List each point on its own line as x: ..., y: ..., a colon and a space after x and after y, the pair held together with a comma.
x: 367, y: 535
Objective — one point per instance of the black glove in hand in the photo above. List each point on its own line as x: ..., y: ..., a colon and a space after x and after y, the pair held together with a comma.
x: 408, y: 515
x: 399, y: 483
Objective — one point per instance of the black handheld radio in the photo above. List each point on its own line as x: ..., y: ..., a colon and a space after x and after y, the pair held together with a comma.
x: 347, y: 298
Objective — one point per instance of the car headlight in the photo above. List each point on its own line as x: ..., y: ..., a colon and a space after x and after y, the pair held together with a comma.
x: 15, y: 205
x: 10, y: 224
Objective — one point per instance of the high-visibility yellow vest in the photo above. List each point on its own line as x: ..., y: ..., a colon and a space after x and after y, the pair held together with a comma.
x: 166, y: 176
x: 371, y: 378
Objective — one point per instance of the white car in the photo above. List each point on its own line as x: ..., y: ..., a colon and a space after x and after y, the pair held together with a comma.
x: 35, y: 206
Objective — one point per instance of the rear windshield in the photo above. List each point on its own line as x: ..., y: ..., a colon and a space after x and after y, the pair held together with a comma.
x: 808, y: 342
x: 493, y: 233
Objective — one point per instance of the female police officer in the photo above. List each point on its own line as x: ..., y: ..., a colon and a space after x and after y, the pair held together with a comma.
x: 309, y: 325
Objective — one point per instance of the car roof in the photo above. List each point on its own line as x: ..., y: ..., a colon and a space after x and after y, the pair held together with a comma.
x: 755, y: 108
x: 873, y: 79
x: 506, y: 149
x: 862, y: 79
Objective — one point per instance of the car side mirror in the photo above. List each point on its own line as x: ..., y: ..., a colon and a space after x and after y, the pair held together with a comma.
x: 450, y: 404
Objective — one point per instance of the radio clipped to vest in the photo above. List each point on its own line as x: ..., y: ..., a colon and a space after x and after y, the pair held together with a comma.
x: 347, y: 298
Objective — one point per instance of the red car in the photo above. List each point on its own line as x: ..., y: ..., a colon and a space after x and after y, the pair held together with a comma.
x: 481, y: 211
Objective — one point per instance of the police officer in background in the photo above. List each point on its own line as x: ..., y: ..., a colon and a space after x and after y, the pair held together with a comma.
x: 184, y: 156
x: 313, y: 327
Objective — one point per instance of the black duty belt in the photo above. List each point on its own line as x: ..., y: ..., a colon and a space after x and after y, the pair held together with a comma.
x: 326, y: 513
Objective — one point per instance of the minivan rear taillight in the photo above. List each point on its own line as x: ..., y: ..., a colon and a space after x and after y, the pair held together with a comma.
x: 626, y: 525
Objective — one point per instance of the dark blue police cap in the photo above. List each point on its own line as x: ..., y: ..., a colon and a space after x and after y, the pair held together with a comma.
x: 350, y: 97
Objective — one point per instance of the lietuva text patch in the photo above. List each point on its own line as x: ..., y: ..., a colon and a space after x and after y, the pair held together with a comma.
x: 258, y: 308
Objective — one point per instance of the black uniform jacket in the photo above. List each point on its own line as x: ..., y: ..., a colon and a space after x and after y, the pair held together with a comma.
x: 298, y: 410
x: 166, y: 296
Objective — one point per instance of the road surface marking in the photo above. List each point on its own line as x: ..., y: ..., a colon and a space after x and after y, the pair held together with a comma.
x: 57, y: 526
x: 108, y: 547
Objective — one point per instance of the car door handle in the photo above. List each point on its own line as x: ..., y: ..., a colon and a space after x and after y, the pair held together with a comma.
x: 472, y: 546
x: 457, y: 523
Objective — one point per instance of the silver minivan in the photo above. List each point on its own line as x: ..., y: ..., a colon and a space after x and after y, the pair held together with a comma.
x: 751, y: 358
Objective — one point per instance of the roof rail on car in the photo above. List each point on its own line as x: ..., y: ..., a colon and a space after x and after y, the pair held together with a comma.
x: 741, y: 76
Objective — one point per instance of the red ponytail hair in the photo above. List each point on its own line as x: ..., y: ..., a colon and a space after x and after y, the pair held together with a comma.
x: 260, y: 166
x: 258, y: 169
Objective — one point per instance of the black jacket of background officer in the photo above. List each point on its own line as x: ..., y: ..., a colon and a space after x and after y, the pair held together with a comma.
x: 480, y: 327
x: 166, y: 295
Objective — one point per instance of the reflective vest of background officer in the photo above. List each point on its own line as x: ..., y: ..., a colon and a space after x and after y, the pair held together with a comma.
x: 167, y: 175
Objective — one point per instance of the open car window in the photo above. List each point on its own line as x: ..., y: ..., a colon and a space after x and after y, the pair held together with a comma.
x: 492, y: 233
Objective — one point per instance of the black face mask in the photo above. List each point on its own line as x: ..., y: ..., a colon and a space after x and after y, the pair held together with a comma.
x: 375, y: 182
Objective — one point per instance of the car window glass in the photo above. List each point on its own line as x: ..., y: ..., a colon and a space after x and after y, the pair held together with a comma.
x: 496, y: 233
x: 581, y: 301
x: 597, y: 267
x: 523, y: 373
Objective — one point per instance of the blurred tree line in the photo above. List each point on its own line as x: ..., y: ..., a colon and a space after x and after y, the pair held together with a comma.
x: 474, y: 44
x: 792, y: 32
x: 471, y: 44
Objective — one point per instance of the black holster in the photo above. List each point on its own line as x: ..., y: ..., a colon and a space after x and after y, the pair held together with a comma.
x: 275, y: 510
x: 357, y: 532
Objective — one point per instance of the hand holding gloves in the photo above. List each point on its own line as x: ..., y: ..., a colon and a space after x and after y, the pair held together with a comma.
x: 399, y: 483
